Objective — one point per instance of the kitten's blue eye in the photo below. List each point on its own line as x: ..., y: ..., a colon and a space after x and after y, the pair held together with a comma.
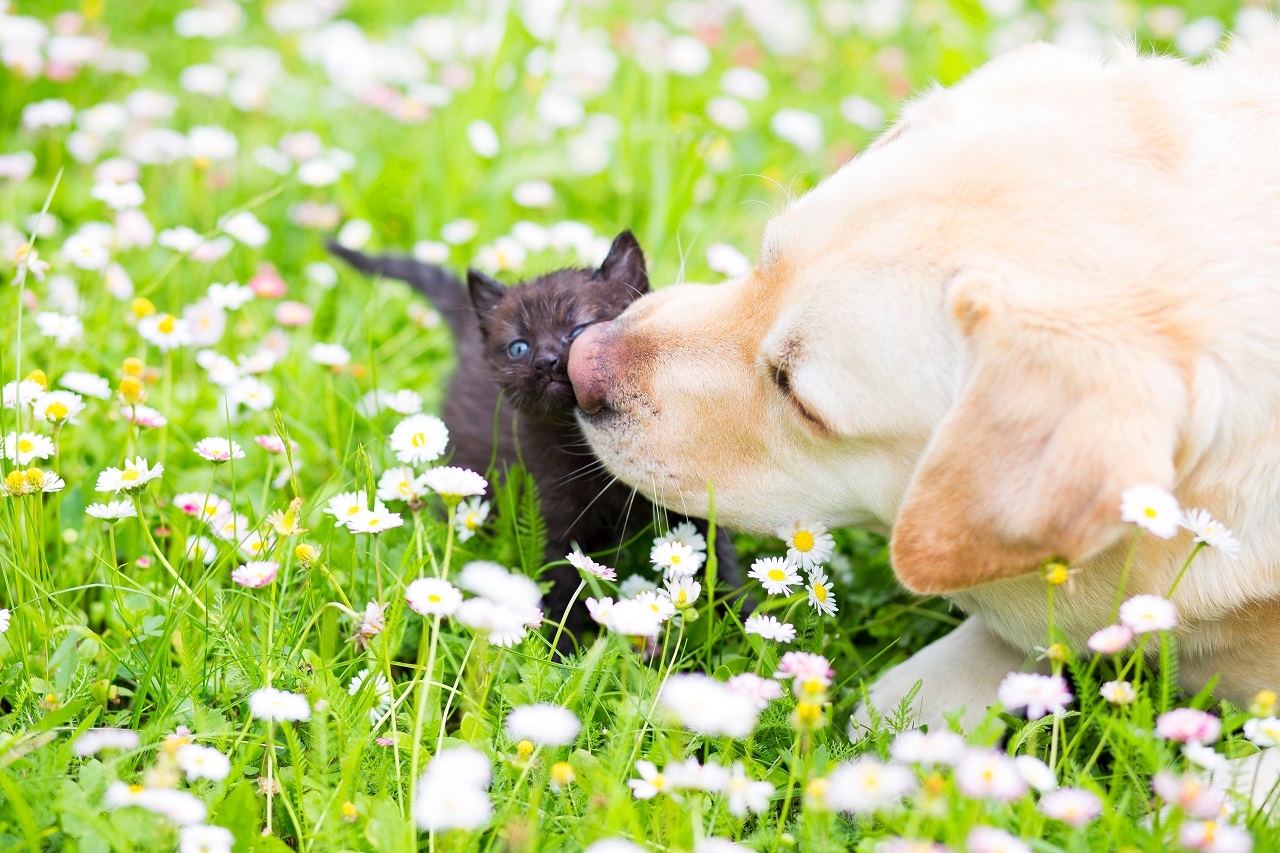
x: 515, y: 349
x: 577, y: 330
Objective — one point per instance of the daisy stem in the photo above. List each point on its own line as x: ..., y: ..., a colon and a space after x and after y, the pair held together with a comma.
x: 270, y: 759
x: 1177, y: 580
x: 564, y: 617
x: 146, y: 532
x: 1124, y: 573
x: 423, y: 687
x: 791, y: 785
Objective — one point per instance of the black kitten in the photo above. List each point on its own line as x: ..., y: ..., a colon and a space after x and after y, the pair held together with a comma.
x: 513, y: 356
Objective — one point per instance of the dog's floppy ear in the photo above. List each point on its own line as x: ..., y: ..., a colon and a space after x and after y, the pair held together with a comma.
x: 1063, y: 405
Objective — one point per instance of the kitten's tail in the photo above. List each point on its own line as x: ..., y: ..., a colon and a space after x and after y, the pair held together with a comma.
x: 445, y: 290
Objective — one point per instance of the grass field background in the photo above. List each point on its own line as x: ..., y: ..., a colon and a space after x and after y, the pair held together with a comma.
x: 517, y: 137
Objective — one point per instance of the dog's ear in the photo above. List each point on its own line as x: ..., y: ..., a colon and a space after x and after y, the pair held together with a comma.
x: 1062, y: 406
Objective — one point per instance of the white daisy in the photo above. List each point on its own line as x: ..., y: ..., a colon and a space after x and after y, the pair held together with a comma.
x: 202, y: 762
x: 686, y: 533
x: 143, y: 416
x: 165, y: 331
x: 867, y: 785
x: 419, y: 439
x: 4, y: 620
x: 820, y: 595
x: 20, y: 392
x: 1152, y: 508
x: 470, y: 517
x: 329, y: 355
x: 1143, y: 614
x: 374, y: 520
x: 662, y: 606
x: 776, y: 574
x: 256, y: 573
x: 651, y: 782
x: 770, y: 628
x: 1039, y: 694
x: 1205, y: 529
x: 88, y: 384
x: 683, y: 591
x: 808, y: 543
x: 112, y: 510
x: 201, y: 548
x: 544, y: 724
x: 59, y: 407
x: 433, y: 597
x: 1118, y: 692
x: 344, y: 506
x: 399, y: 484
x: 675, y: 558
x: 453, y: 483
x: 24, y: 447
x: 268, y: 703
x: 135, y: 475
x: 64, y: 329
x: 230, y: 296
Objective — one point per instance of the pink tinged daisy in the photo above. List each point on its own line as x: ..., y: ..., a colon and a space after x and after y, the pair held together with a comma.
x: 433, y: 597
x: 1188, y: 794
x: 469, y: 517
x: 1035, y: 773
x: 820, y: 595
x: 704, y: 705
x: 374, y: 520
x: 987, y: 774
x: 808, y: 543
x: 588, y: 566
x: 776, y: 574
x: 988, y: 839
x: 1187, y: 724
x: 759, y: 690
x: 628, y: 617
x: 1263, y: 732
x: 1212, y: 533
x: 274, y: 443
x: 1038, y: 694
x: 941, y: 747
x: 419, y: 439
x: 217, y: 449
x: 1072, y: 806
x: 24, y: 447
x: 675, y: 558
x: 454, y: 484
x: 769, y: 628
x: 255, y: 573
x: 268, y: 703
x: 1152, y: 508
x: 373, y: 619
x: 651, y: 783
x: 143, y: 416
x: 112, y: 510
x: 1111, y: 639
x: 1143, y: 614
x: 165, y: 331
x: 1215, y: 836
x: 1118, y: 692
x: 804, y: 666
x: 544, y: 724
x: 135, y: 475
x: 867, y: 785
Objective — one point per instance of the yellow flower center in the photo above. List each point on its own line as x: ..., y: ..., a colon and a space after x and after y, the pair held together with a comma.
x: 820, y: 592
x: 675, y: 559
x: 133, y: 366
x: 129, y: 475
x: 166, y: 324
x: 682, y: 598
x: 434, y: 599
x: 142, y: 306
x: 777, y: 574
x: 14, y: 482
x: 25, y: 445
x: 525, y: 748
x: 38, y: 377
x: 1149, y: 512
x: 419, y: 439
x: 404, y: 487
x: 375, y: 521
x: 56, y: 410
x: 472, y: 520
x: 803, y: 540
x: 353, y: 509
x: 660, y: 781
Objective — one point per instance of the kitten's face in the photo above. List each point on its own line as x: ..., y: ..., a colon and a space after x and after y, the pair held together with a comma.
x: 527, y: 329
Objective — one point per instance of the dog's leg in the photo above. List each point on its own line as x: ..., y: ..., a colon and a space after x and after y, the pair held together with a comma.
x: 961, y: 671
x: 1254, y: 777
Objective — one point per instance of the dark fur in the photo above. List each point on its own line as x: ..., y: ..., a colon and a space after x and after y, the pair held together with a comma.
x: 581, y: 502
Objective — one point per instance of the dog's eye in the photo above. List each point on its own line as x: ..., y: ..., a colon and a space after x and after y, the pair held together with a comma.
x: 782, y: 378
x: 577, y: 330
x: 517, y: 348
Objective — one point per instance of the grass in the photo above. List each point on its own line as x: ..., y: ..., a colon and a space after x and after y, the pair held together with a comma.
x: 114, y: 625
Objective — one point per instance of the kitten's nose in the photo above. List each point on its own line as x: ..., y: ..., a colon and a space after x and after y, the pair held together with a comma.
x: 546, y: 362
x: 586, y: 368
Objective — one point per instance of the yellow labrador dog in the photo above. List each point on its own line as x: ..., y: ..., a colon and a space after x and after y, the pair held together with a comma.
x: 1050, y: 282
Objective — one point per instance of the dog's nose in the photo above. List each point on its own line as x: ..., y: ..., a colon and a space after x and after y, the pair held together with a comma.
x: 586, y: 368
x: 546, y: 362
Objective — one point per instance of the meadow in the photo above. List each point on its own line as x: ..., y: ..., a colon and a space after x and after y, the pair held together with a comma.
x: 246, y: 604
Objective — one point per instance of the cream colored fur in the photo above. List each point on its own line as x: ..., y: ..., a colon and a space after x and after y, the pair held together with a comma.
x: 1054, y: 280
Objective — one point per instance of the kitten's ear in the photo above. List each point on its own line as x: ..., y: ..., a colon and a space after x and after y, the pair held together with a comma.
x: 624, y: 265
x: 486, y: 292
